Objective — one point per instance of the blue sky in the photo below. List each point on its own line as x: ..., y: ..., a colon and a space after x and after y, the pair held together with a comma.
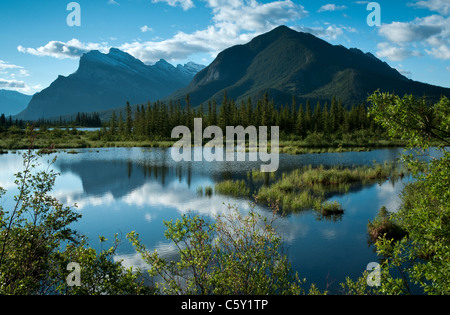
x: 37, y: 44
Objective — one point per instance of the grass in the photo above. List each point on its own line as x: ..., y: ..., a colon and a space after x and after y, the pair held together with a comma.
x: 257, y: 176
x: 235, y: 188
x: 340, y: 176
x: 306, y: 188
x: 331, y: 208
x: 348, y: 144
x: 208, y: 191
x: 77, y: 140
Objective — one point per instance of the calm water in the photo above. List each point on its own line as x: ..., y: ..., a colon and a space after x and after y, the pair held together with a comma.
x: 121, y: 190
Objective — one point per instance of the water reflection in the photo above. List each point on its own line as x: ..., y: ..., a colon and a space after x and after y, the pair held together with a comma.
x: 122, y: 190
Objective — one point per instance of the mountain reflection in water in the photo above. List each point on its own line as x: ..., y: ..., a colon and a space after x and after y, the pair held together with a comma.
x: 119, y: 190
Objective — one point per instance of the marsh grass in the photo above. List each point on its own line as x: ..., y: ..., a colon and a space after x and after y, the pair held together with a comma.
x: 235, y: 188
x: 75, y: 140
x: 308, y: 187
x: 208, y: 191
x: 331, y: 208
x: 256, y: 176
x: 318, y: 144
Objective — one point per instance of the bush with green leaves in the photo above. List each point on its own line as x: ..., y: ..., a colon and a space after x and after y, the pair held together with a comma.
x: 37, y: 243
x: 421, y: 259
x: 236, y: 254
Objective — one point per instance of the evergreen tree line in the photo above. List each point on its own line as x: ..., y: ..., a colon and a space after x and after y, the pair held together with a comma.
x: 156, y: 121
x: 87, y: 120
x: 6, y: 122
x: 81, y: 120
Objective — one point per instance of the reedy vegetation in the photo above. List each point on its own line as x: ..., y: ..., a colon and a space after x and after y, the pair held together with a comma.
x: 306, y: 188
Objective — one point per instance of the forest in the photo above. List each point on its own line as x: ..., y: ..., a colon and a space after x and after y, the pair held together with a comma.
x: 91, y: 120
x: 296, y: 120
x: 304, y: 127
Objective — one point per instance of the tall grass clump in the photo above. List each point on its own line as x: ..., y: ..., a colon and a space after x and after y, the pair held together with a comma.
x: 235, y: 188
x: 305, y: 188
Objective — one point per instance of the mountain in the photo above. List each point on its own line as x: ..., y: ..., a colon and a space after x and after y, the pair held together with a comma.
x: 107, y: 81
x: 288, y: 63
x: 12, y: 102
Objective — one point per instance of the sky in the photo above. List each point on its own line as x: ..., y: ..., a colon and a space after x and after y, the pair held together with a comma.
x: 39, y: 41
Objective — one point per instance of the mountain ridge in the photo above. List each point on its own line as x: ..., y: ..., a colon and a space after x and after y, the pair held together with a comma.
x: 107, y: 81
x: 287, y: 63
x: 13, y: 102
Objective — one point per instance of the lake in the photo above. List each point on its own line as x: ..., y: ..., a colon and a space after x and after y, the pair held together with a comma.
x: 119, y: 190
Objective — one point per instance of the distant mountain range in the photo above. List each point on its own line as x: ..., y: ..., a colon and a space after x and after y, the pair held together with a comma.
x: 107, y: 81
x: 288, y: 63
x: 282, y: 62
x: 12, y: 102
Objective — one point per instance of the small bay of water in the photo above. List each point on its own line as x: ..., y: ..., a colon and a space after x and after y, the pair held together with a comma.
x: 119, y: 190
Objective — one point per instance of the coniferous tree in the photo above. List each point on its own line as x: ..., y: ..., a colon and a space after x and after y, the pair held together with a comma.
x: 249, y: 112
x: 326, y: 125
x: 317, y: 118
x: 308, y: 117
x: 129, y: 121
x: 300, y: 129
x: 293, y: 116
x: 113, y: 124
x: 121, y: 125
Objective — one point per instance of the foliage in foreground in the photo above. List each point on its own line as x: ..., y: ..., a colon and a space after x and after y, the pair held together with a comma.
x: 420, y: 259
x: 237, y: 254
x: 37, y: 244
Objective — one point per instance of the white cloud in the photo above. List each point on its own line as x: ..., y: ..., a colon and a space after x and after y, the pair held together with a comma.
x: 13, y: 72
x: 72, y: 49
x: 229, y: 28
x: 241, y: 15
x: 448, y: 69
x: 19, y: 86
x: 441, y: 6
x: 24, y: 73
x: 145, y: 29
x: 430, y: 33
x: 332, y: 32
x: 185, y: 4
x: 12, y: 84
x: 4, y: 65
x: 113, y: 2
x: 234, y: 22
x: 441, y: 52
x: 400, y: 32
x: 394, y: 53
x: 331, y: 7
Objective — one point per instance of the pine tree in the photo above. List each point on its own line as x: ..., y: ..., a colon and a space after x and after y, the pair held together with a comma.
x: 129, y: 121
x: 300, y: 123
x: 265, y: 115
x: 317, y: 118
x: 308, y: 118
x: 121, y: 125
x: 113, y: 124
x: 249, y: 112
x: 293, y: 116
x: 326, y: 124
